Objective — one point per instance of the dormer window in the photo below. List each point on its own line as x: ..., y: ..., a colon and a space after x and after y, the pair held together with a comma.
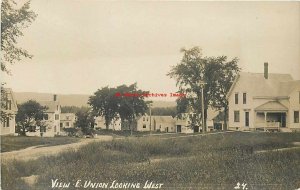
x: 236, y: 98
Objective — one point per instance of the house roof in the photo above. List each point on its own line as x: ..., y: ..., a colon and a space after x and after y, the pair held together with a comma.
x: 271, y: 106
x: 219, y: 117
x: 163, y: 119
x: 211, y: 113
x: 51, y: 105
x: 257, y: 85
x: 67, y: 116
x: 286, y: 88
x: 10, y: 93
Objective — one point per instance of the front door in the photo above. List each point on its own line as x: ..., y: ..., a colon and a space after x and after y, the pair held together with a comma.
x: 247, y: 119
x: 283, y: 120
x: 178, y: 128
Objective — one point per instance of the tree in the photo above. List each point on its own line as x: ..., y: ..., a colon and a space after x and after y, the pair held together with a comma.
x: 85, y: 120
x: 163, y: 111
x: 217, y: 72
x: 13, y: 21
x: 188, y: 74
x: 104, y: 103
x: 30, y: 114
x: 73, y: 109
x: 131, y: 107
x: 220, y: 75
x: 120, y: 101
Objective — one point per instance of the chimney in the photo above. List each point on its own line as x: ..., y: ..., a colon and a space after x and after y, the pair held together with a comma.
x: 266, y: 70
x: 54, y: 97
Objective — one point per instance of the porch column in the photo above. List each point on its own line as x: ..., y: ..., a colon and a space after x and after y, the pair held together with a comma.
x: 265, y: 121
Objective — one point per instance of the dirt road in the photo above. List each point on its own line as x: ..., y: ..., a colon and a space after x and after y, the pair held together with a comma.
x: 38, y: 151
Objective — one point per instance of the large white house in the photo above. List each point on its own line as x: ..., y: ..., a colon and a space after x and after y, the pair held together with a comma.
x: 155, y: 123
x: 8, y: 124
x: 183, y: 124
x: 115, y: 124
x: 51, y: 122
x: 67, y: 120
x: 264, y: 101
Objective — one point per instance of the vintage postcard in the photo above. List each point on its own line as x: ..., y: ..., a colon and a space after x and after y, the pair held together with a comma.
x: 150, y: 95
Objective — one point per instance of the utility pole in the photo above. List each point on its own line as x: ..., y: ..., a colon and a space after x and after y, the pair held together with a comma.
x: 150, y: 117
x: 202, y: 83
x: 133, y: 116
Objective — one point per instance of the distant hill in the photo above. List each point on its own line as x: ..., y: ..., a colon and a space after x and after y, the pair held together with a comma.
x: 72, y: 99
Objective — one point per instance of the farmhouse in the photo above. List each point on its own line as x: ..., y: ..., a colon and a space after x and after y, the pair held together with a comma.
x: 8, y: 124
x: 67, y: 120
x: 157, y: 123
x: 114, y: 125
x: 183, y: 124
x: 50, y: 126
x: 264, y: 101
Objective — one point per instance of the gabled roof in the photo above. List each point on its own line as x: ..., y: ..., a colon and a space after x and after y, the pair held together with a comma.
x: 257, y: 85
x: 67, y: 116
x: 163, y: 119
x: 211, y: 113
x: 51, y: 105
x: 286, y: 88
x: 10, y: 93
x: 271, y: 106
x: 219, y: 117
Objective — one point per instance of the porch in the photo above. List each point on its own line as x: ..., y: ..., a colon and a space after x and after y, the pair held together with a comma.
x: 270, y: 116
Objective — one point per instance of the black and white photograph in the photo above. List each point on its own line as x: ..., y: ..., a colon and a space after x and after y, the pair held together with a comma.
x: 188, y: 95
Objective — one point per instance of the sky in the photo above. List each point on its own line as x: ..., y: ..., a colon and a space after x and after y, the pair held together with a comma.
x: 80, y: 46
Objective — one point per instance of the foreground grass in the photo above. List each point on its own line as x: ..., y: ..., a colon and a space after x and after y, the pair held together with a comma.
x: 127, y: 133
x: 10, y: 143
x: 210, y: 162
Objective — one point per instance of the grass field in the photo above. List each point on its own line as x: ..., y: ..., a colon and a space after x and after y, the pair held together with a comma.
x: 10, y: 143
x: 216, y: 161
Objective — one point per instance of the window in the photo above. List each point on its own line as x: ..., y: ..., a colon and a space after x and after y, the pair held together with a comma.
x: 43, y: 129
x: 143, y: 118
x: 236, y: 98
x: 296, y: 116
x: 56, y: 117
x: 144, y: 126
x: 46, y: 117
x: 6, y: 123
x: 8, y: 104
x: 67, y: 124
x: 244, y: 98
x: 236, y: 116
